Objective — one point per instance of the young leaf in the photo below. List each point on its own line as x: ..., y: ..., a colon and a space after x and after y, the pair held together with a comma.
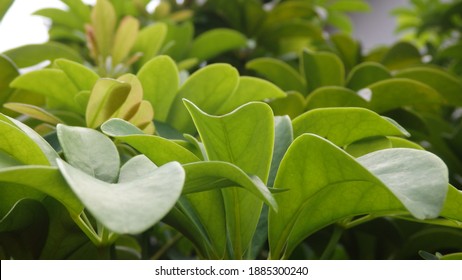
x: 321, y: 69
x: 150, y: 40
x: 159, y: 90
x: 104, y: 20
x: 343, y: 126
x: 52, y: 83
x: 124, y: 39
x: 82, y: 77
x: 216, y: 41
x: 34, y: 112
x: 8, y: 73
x: 279, y: 73
x: 90, y: 151
x: 128, y: 207
x: 106, y: 98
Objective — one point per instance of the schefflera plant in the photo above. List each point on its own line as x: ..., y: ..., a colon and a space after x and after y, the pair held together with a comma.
x: 307, y: 164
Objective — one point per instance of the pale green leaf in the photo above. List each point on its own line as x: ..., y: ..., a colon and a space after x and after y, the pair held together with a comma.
x: 90, y: 151
x: 34, y: 112
x: 150, y: 40
x: 8, y: 73
x: 128, y: 207
x: 124, y: 39
x: 82, y: 77
x: 103, y: 20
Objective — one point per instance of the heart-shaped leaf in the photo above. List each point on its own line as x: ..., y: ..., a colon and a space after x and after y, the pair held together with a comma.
x: 128, y: 207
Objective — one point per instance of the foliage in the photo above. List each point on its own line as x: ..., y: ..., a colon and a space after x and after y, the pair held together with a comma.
x: 140, y: 139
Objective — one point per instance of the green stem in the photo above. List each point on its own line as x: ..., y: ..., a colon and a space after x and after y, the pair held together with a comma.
x: 330, y: 248
x: 359, y: 221
x: 167, y: 246
x: 86, y: 227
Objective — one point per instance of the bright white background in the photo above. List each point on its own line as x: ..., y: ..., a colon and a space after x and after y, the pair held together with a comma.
x: 19, y: 27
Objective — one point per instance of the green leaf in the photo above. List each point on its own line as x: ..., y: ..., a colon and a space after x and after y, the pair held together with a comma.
x: 366, y: 74
x: 216, y: 41
x: 244, y: 137
x: 18, y: 145
x: 51, y: 83
x: 209, y: 88
x: 292, y: 105
x: 61, y: 17
x: 34, y: 112
x: 8, y: 73
x: 350, y: 6
x: 207, y: 175
x: 322, y: 69
x: 128, y: 207
x: 79, y: 8
x: 30, y: 55
x: 124, y: 39
x: 4, y: 6
x: 47, y: 180
x: 448, y: 86
x: 334, y: 96
x: 159, y: 150
x: 82, y: 77
x: 401, y: 55
x: 159, y: 90
x: 103, y: 20
x: 90, y: 151
x: 368, y: 145
x: 106, y: 98
x: 250, y: 89
x: 419, y: 179
x: 178, y: 40
x: 149, y: 41
x: 348, y: 49
x: 451, y: 207
x: 400, y: 92
x: 283, y: 137
x: 343, y: 126
x: 22, y: 214
x: 327, y: 185
x: 279, y: 73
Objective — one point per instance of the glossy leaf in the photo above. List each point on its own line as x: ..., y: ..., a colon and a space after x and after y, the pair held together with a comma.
x: 106, y: 98
x: 30, y: 55
x: 124, y: 39
x: 130, y: 206
x: 8, y: 73
x: 333, y: 96
x: 150, y: 40
x: 82, y: 77
x: 366, y: 74
x: 159, y: 150
x: 279, y: 73
x: 52, y: 83
x: 159, y: 90
x: 34, y: 112
x: 47, y: 180
x: 343, y: 126
x: 209, y: 88
x: 103, y: 20
x: 244, y: 137
x: 90, y: 151
x: 327, y: 185
x: 216, y: 41
x: 18, y: 145
x: 322, y: 69
x: 250, y: 89
x: 399, y: 92
x: 448, y: 86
